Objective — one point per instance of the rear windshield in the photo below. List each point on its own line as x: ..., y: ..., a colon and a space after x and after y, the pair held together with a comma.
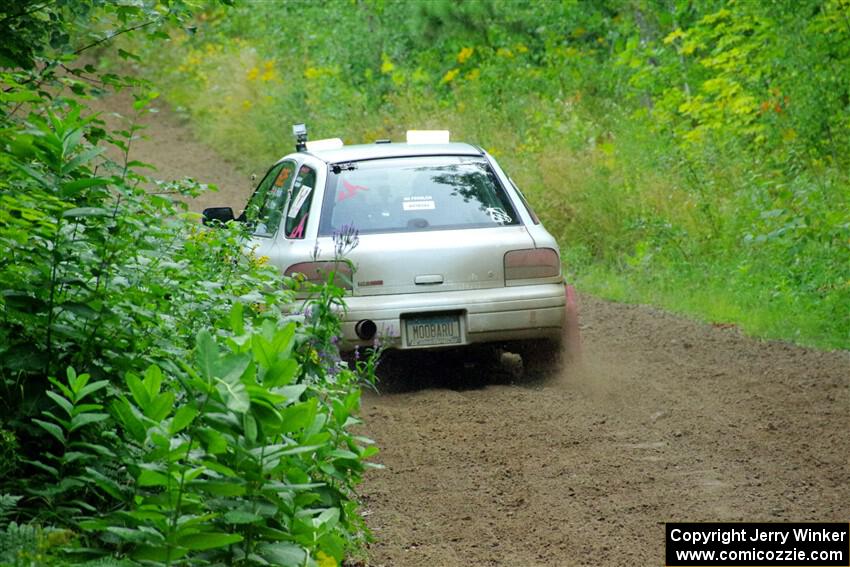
x: 415, y: 194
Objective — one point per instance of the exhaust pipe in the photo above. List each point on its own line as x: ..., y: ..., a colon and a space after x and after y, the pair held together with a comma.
x: 366, y: 329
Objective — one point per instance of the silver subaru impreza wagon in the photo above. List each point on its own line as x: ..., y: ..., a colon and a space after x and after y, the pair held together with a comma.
x: 450, y: 253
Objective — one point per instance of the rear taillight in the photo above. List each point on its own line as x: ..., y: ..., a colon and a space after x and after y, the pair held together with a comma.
x: 319, y: 272
x: 532, y: 264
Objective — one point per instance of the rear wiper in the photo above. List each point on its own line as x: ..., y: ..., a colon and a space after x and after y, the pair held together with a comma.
x: 345, y: 166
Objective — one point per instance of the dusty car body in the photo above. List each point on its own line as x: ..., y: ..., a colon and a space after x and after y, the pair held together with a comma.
x: 449, y: 252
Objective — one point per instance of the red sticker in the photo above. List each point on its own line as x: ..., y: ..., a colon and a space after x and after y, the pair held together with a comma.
x: 351, y: 191
x: 298, y: 232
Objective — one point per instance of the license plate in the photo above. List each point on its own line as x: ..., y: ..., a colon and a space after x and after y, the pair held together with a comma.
x: 433, y: 330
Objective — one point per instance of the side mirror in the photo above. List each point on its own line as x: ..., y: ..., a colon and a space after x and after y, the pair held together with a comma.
x: 215, y: 215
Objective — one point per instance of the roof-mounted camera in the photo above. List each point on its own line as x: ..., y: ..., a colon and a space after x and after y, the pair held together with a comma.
x: 300, y: 133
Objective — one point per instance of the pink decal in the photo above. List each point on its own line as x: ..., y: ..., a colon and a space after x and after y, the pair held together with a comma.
x: 298, y: 232
x: 351, y: 190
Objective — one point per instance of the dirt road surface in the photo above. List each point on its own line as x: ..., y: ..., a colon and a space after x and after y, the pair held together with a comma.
x: 667, y: 420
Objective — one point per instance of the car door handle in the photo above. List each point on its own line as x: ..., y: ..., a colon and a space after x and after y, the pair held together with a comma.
x: 430, y: 279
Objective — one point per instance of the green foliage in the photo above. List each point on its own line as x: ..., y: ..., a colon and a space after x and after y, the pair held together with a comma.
x: 679, y: 148
x: 198, y: 419
x: 242, y: 455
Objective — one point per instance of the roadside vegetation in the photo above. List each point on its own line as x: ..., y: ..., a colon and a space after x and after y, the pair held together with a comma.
x: 163, y: 399
x: 692, y: 155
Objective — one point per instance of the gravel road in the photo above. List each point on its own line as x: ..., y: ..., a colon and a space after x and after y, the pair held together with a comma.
x: 666, y: 420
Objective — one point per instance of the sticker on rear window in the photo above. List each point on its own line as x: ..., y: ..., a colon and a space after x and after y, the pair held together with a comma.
x: 499, y: 215
x: 350, y: 191
x: 300, y: 198
x: 419, y: 203
x: 282, y: 177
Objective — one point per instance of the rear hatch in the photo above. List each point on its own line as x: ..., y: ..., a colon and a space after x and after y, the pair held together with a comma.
x: 434, y: 261
x: 426, y: 223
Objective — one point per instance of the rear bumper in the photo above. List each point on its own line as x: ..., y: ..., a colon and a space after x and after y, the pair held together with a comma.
x: 487, y: 315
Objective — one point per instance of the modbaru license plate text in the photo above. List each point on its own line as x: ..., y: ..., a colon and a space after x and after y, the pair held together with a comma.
x: 430, y: 331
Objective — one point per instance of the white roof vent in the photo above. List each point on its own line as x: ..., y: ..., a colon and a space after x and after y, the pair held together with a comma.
x: 427, y: 136
x: 326, y: 144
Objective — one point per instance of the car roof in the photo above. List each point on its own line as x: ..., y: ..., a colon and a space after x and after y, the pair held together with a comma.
x: 378, y: 151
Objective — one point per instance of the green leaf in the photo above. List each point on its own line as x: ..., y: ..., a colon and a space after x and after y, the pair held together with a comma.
x: 104, y: 483
x: 83, y: 419
x: 249, y: 426
x: 264, y: 352
x: 267, y: 415
x: 80, y: 309
x: 206, y: 354
x: 93, y: 448
x: 241, y: 517
x: 138, y: 390
x: 220, y: 487
x: 51, y: 428
x: 235, y: 396
x: 209, y: 540
x: 292, y: 393
x: 23, y: 302
x: 81, y: 159
x: 159, y: 553
x: 281, y: 372
x: 91, y: 388
x: 61, y: 402
x: 283, y: 554
x: 343, y: 454
x: 149, y: 477
x: 297, y: 417
x: 73, y: 188
x: 237, y: 319
x: 327, y: 519
x: 130, y: 535
x: 160, y: 406
x: 182, y: 418
x: 78, y: 212
x: 124, y: 413
x: 153, y: 380
x: 43, y: 467
x: 216, y: 442
x: 232, y: 367
x: 15, y: 97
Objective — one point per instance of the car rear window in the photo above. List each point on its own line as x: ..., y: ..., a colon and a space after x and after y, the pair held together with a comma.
x: 415, y: 194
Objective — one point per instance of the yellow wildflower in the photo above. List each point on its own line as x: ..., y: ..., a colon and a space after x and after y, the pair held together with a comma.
x: 474, y: 74
x: 247, y: 104
x: 386, y: 65
x: 312, y: 73
x: 465, y: 54
x: 252, y: 73
x: 673, y: 36
x: 450, y: 76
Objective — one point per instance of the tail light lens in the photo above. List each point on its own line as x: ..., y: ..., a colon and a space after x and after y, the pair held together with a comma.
x: 317, y: 272
x: 530, y: 264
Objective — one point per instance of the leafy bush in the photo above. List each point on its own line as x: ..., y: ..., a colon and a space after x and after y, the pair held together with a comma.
x: 160, y: 400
